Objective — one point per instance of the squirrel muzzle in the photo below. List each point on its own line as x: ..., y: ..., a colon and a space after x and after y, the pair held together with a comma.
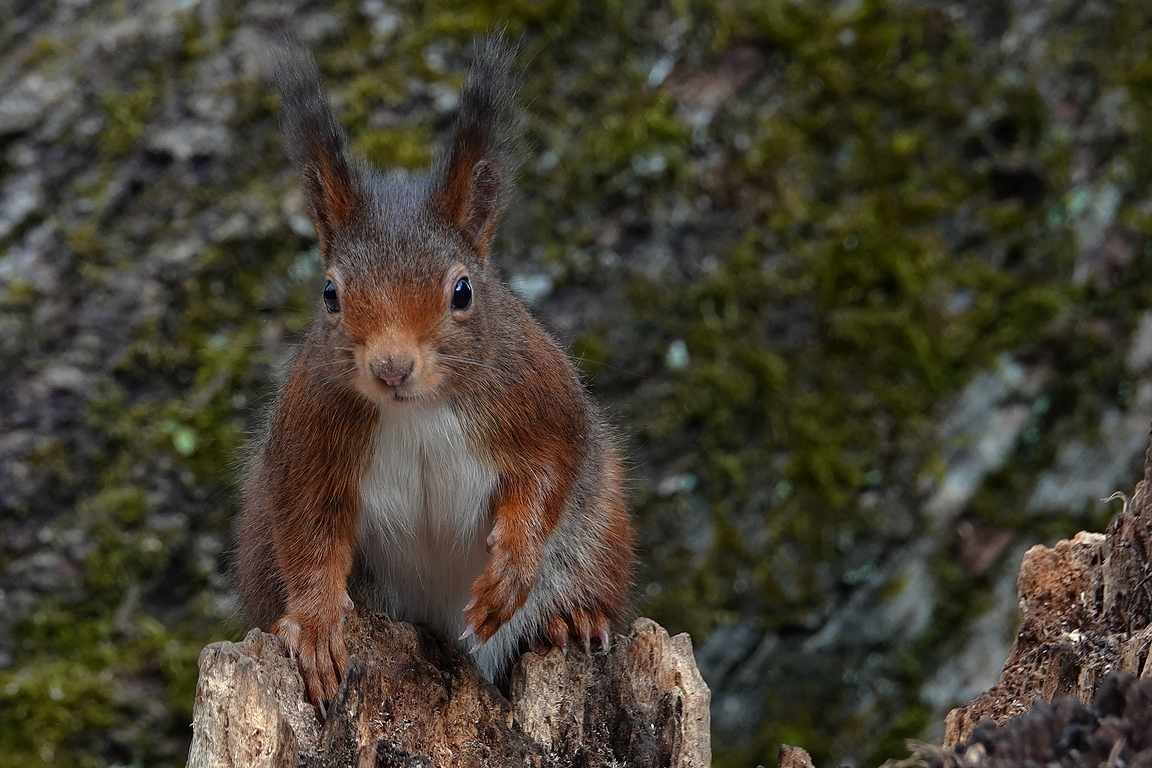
x: 394, y: 369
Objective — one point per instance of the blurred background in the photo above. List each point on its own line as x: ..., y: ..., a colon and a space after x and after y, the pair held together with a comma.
x: 864, y: 286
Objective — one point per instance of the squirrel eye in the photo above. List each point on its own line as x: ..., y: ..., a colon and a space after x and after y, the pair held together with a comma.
x: 462, y: 294
x: 330, y: 299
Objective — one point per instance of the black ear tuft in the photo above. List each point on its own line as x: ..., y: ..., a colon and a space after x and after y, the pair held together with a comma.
x: 474, y: 185
x: 315, y: 141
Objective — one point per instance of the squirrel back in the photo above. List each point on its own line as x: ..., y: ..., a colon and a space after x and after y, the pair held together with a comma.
x: 433, y: 449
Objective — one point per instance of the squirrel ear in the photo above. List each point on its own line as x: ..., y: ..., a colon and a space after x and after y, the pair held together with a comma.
x: 315, y: 142
x: 475, y: 183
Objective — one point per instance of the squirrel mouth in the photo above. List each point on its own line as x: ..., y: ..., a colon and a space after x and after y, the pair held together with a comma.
x: 397, y: 396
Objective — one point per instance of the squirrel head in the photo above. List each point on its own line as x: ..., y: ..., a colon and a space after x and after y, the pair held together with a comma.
x: 407, y: 293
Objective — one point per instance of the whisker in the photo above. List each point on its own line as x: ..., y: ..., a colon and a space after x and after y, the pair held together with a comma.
x: 333, y: 365
x: 232, y: 346
x: 346, y: 360
x: 324, y: 363
x: 345, y: 372
x: 332, y: 378
x: 465, y: 360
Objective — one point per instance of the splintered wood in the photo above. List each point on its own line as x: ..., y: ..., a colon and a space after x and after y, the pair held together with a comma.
x: 1086, y: 610
x: 410, y: 699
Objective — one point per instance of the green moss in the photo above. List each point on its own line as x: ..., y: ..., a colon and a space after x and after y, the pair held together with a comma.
x: 127, y: 113
x: 851, y: 174
x: 61, y: 702
x: 819, y: 343
x: 42, y: 48
x: 51, y: 709
x: 170, y: 423
x: 395, y: 147
x: 85, y: 240
x: 591, y: 352
x: 21, y: 294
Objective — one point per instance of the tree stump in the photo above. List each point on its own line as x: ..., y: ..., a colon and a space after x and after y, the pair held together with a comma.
x: 409, y: 698
x: 1086, y: 606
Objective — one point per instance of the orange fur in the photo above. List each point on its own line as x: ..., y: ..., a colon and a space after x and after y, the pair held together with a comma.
x: 560, y: 547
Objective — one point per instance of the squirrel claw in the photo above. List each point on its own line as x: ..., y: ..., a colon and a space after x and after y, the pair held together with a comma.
x: 581, y: 625
x: 557, y: 634
x: 469, y: 631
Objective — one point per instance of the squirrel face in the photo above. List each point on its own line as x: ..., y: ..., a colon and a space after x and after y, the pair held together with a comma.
x: 406, y: 278
x: 405, y: 307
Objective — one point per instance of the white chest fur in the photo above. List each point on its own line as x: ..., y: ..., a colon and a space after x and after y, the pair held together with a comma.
x: 424, y: 516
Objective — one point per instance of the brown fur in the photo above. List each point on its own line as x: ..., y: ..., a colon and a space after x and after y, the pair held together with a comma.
x: 394, y: 253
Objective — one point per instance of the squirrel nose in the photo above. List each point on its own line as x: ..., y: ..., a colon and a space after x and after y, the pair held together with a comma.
x: 393, y: 371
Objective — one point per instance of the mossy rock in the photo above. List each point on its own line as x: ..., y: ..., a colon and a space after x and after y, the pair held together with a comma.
x: 776, y: 292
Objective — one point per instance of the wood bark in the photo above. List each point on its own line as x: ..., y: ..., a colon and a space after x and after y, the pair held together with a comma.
x: 793, y: 757
x: 410, y: 699
x: 1086, y: 606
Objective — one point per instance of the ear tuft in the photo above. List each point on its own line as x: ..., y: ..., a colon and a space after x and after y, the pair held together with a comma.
x: 314, y: 141
x: 481, y: 215
x: 474, y: 185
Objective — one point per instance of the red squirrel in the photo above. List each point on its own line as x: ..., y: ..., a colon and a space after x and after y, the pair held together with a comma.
x: 433, y: 453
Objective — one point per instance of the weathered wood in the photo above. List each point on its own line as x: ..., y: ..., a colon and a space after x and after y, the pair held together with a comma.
x: 793, y: 757
x: 410, y: 699
x: 245, y: 701
x: 1086, y: 608
x: 1116, y: 730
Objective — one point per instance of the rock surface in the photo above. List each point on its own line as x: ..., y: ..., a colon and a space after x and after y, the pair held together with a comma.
x: 410, y: 699
x: 818, y: 260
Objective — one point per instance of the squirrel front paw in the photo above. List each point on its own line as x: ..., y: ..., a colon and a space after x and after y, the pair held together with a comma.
x: 317, y: 645
x: 582, y: 624
x: 499, y: 592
